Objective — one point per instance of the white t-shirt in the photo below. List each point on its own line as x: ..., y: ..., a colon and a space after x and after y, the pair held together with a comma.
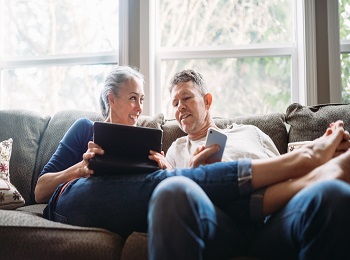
x: 243, y: 141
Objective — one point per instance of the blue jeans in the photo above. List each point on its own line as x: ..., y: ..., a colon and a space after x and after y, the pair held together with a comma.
x: 184, y: 224
x: 315, y: 224
x: 120, y: 203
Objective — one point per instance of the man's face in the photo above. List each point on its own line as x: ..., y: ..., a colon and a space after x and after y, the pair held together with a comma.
x: 190, y: 108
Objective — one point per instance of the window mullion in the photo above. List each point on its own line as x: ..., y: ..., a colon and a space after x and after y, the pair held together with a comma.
x: 87, y: 59
x: 334, y: 51
x: 237, y: 52
x: 307, y: 64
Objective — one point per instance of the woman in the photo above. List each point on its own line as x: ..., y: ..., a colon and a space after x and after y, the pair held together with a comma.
x: 120, y: 203
x: 121, y: 102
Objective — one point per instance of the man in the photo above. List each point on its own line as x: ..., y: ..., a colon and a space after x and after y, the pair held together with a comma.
x: 184, y: 223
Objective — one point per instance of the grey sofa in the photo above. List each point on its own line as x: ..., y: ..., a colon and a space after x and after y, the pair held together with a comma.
x: 24, y: 234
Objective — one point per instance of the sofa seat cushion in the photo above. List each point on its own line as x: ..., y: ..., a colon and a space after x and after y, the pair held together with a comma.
x: 28, y: 236
x: 310, y: 122
x: 135, y: 247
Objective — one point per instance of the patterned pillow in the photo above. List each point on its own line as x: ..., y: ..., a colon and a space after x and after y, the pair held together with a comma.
x: 10, y: 198
x: 5, y: 155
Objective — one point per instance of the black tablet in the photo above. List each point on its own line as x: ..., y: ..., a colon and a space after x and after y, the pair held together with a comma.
x: 126, y: 149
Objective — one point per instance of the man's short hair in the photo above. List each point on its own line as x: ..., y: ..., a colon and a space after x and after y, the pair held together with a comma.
x: 189, y: 75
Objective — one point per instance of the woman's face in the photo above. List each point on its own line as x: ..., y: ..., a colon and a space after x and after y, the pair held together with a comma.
x: 127, y: 107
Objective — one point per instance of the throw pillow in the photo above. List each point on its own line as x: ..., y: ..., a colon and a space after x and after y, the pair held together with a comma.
x: 5, y: 155
x: 310, y: 122
x: 10, y: 198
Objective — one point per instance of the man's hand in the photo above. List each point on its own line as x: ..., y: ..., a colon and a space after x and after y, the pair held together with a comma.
x: 202, y: 154
x: 160, y: 159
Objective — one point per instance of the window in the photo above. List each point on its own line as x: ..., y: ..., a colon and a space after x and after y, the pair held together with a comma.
x: 244, y: 49
x: 55, y: 54
x: 344, y: 24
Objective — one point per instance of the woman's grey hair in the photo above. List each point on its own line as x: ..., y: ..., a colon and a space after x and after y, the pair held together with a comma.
x: 114, y: 82
x: 189, y: 75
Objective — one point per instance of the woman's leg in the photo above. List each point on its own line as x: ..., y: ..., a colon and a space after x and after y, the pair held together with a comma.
x: 184, y: 224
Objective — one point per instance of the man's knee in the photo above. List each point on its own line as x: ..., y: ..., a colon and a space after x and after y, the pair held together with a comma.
x: 327, y: 199
x: 172, y: 194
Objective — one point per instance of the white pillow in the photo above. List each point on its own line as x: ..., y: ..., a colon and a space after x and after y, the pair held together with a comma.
x: 10, y: 198
x: 5, y: 155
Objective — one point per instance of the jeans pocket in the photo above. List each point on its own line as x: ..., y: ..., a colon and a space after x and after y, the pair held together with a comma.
x: 59, y: 218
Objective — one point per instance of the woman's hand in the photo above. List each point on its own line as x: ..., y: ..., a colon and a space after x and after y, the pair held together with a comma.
x: 92, y: 150
x: 48, y: 182
x: 160, y: 159
x: 202, y: 154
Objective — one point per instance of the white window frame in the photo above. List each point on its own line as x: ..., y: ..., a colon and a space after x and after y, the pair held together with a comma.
x: 334, y: 50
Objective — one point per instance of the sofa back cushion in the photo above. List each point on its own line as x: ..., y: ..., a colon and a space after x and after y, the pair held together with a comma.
x: 310, y: 122
x: 271, y: 124
x: 26, y: 129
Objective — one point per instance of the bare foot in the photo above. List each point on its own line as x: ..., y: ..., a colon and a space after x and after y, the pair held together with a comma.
x: 335, y: 141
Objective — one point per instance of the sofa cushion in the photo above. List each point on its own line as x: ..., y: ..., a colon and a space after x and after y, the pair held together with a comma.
x: 135, y: 247
x: 271, y: 124
x: 310, y: 122
x: 151, y: 121
x: 27, y: 236
x: 26, y: 129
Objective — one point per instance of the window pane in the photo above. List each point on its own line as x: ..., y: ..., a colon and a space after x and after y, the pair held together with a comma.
x: 191, y: 23
x: 239, y: 86
x: 345, y: 77
x: 51, y: 89
x: 344, y: 24
x: 344, y: 19
x: 41, y: 27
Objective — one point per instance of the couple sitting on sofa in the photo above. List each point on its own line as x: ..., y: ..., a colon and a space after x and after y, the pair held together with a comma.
x: 203, y: 215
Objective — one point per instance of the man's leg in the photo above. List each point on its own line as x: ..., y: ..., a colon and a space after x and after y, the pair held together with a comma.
x: 184, y: 224
x: 313, y: 225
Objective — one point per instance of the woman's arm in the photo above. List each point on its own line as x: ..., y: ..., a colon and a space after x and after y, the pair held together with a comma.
x: 48, y: 182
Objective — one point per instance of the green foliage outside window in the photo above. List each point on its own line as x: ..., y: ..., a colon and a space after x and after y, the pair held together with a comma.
x: 344, y: 19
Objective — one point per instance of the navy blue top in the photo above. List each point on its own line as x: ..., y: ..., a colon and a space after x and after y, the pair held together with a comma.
x: 72, y: 146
